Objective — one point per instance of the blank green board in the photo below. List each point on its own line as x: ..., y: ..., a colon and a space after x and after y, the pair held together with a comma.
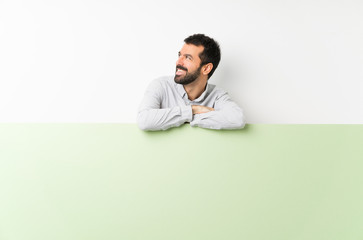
x: 113, y: 181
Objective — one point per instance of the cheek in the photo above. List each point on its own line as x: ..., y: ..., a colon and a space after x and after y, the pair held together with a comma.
x: 191, y: 67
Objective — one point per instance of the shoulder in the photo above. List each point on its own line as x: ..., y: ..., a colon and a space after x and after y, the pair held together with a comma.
x: 162, y: 82
x: 215, y: 91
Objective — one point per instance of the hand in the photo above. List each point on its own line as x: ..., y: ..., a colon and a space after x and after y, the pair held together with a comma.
x: 197, y: 109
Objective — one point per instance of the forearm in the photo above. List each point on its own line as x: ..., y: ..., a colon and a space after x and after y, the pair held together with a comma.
x: 162, y: 119
x: 228, y: 118
x: 198, y: 109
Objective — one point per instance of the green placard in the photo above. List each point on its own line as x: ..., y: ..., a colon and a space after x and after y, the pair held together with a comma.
x: 113, y: 181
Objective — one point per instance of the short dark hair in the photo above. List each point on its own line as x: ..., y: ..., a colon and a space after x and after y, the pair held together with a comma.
x: 211, y: 52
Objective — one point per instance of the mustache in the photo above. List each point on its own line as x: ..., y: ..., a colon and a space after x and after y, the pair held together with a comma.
x: 181, y: 67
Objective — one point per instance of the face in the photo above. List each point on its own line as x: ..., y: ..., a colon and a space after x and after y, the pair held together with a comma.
x: 188, y: 65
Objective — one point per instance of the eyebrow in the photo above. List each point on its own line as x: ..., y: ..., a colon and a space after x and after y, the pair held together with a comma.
x: 187, y: 55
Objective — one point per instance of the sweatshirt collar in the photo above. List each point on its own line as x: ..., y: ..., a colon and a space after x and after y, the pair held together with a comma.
x: 183, y: 93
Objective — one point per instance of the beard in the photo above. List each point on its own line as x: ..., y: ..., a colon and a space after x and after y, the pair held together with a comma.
x: 189, y: 77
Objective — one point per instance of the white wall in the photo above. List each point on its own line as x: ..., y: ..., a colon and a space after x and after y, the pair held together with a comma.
x: 90, y: 61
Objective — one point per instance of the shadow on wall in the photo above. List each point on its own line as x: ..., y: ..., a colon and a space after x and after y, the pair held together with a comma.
x: 231, y: 77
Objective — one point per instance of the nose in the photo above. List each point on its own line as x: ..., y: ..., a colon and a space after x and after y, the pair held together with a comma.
x: 180, y: 61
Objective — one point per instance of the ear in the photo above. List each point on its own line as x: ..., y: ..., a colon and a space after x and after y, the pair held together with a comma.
x: 207, y: 68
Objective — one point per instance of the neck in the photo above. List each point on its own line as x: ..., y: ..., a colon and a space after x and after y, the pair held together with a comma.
x: 196, y: 88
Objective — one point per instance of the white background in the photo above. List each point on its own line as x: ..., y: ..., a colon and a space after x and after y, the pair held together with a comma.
x: 90, y: 61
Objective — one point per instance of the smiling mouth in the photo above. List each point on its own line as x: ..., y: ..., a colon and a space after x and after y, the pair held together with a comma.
x: 179, y: 71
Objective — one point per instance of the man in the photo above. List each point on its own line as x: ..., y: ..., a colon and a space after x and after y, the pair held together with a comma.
x: 188, y: 98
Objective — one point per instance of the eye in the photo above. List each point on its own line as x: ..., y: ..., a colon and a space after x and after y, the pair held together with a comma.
x: 189, y: 57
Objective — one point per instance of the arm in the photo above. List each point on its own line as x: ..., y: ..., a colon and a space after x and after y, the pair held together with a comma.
x: 198, y: 109
x: 225, y: 115
x: 151, y: 117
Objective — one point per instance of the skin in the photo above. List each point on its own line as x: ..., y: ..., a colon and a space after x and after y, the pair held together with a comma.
x: 188, y: 63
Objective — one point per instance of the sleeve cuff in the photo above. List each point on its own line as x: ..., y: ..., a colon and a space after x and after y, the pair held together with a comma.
x: 186, y: 113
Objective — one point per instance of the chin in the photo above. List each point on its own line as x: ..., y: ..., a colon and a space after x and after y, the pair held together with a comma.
x: 178, y: 78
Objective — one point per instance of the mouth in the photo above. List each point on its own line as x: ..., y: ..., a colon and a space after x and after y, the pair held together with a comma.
x: 180, y: 70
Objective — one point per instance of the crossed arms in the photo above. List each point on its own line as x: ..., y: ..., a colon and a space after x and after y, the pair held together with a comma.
x: 222, y: 112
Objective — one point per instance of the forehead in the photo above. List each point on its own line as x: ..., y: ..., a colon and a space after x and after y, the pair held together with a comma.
x: 191, y: 49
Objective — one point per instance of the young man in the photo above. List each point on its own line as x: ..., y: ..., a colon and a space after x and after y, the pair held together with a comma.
x: 170, y: 102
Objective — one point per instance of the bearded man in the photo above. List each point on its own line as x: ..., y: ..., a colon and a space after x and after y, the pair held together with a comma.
x: 188, y: 97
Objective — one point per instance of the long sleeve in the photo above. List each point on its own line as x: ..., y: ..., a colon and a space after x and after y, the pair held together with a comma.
x: 152, y: 117
x: 227, y: 115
